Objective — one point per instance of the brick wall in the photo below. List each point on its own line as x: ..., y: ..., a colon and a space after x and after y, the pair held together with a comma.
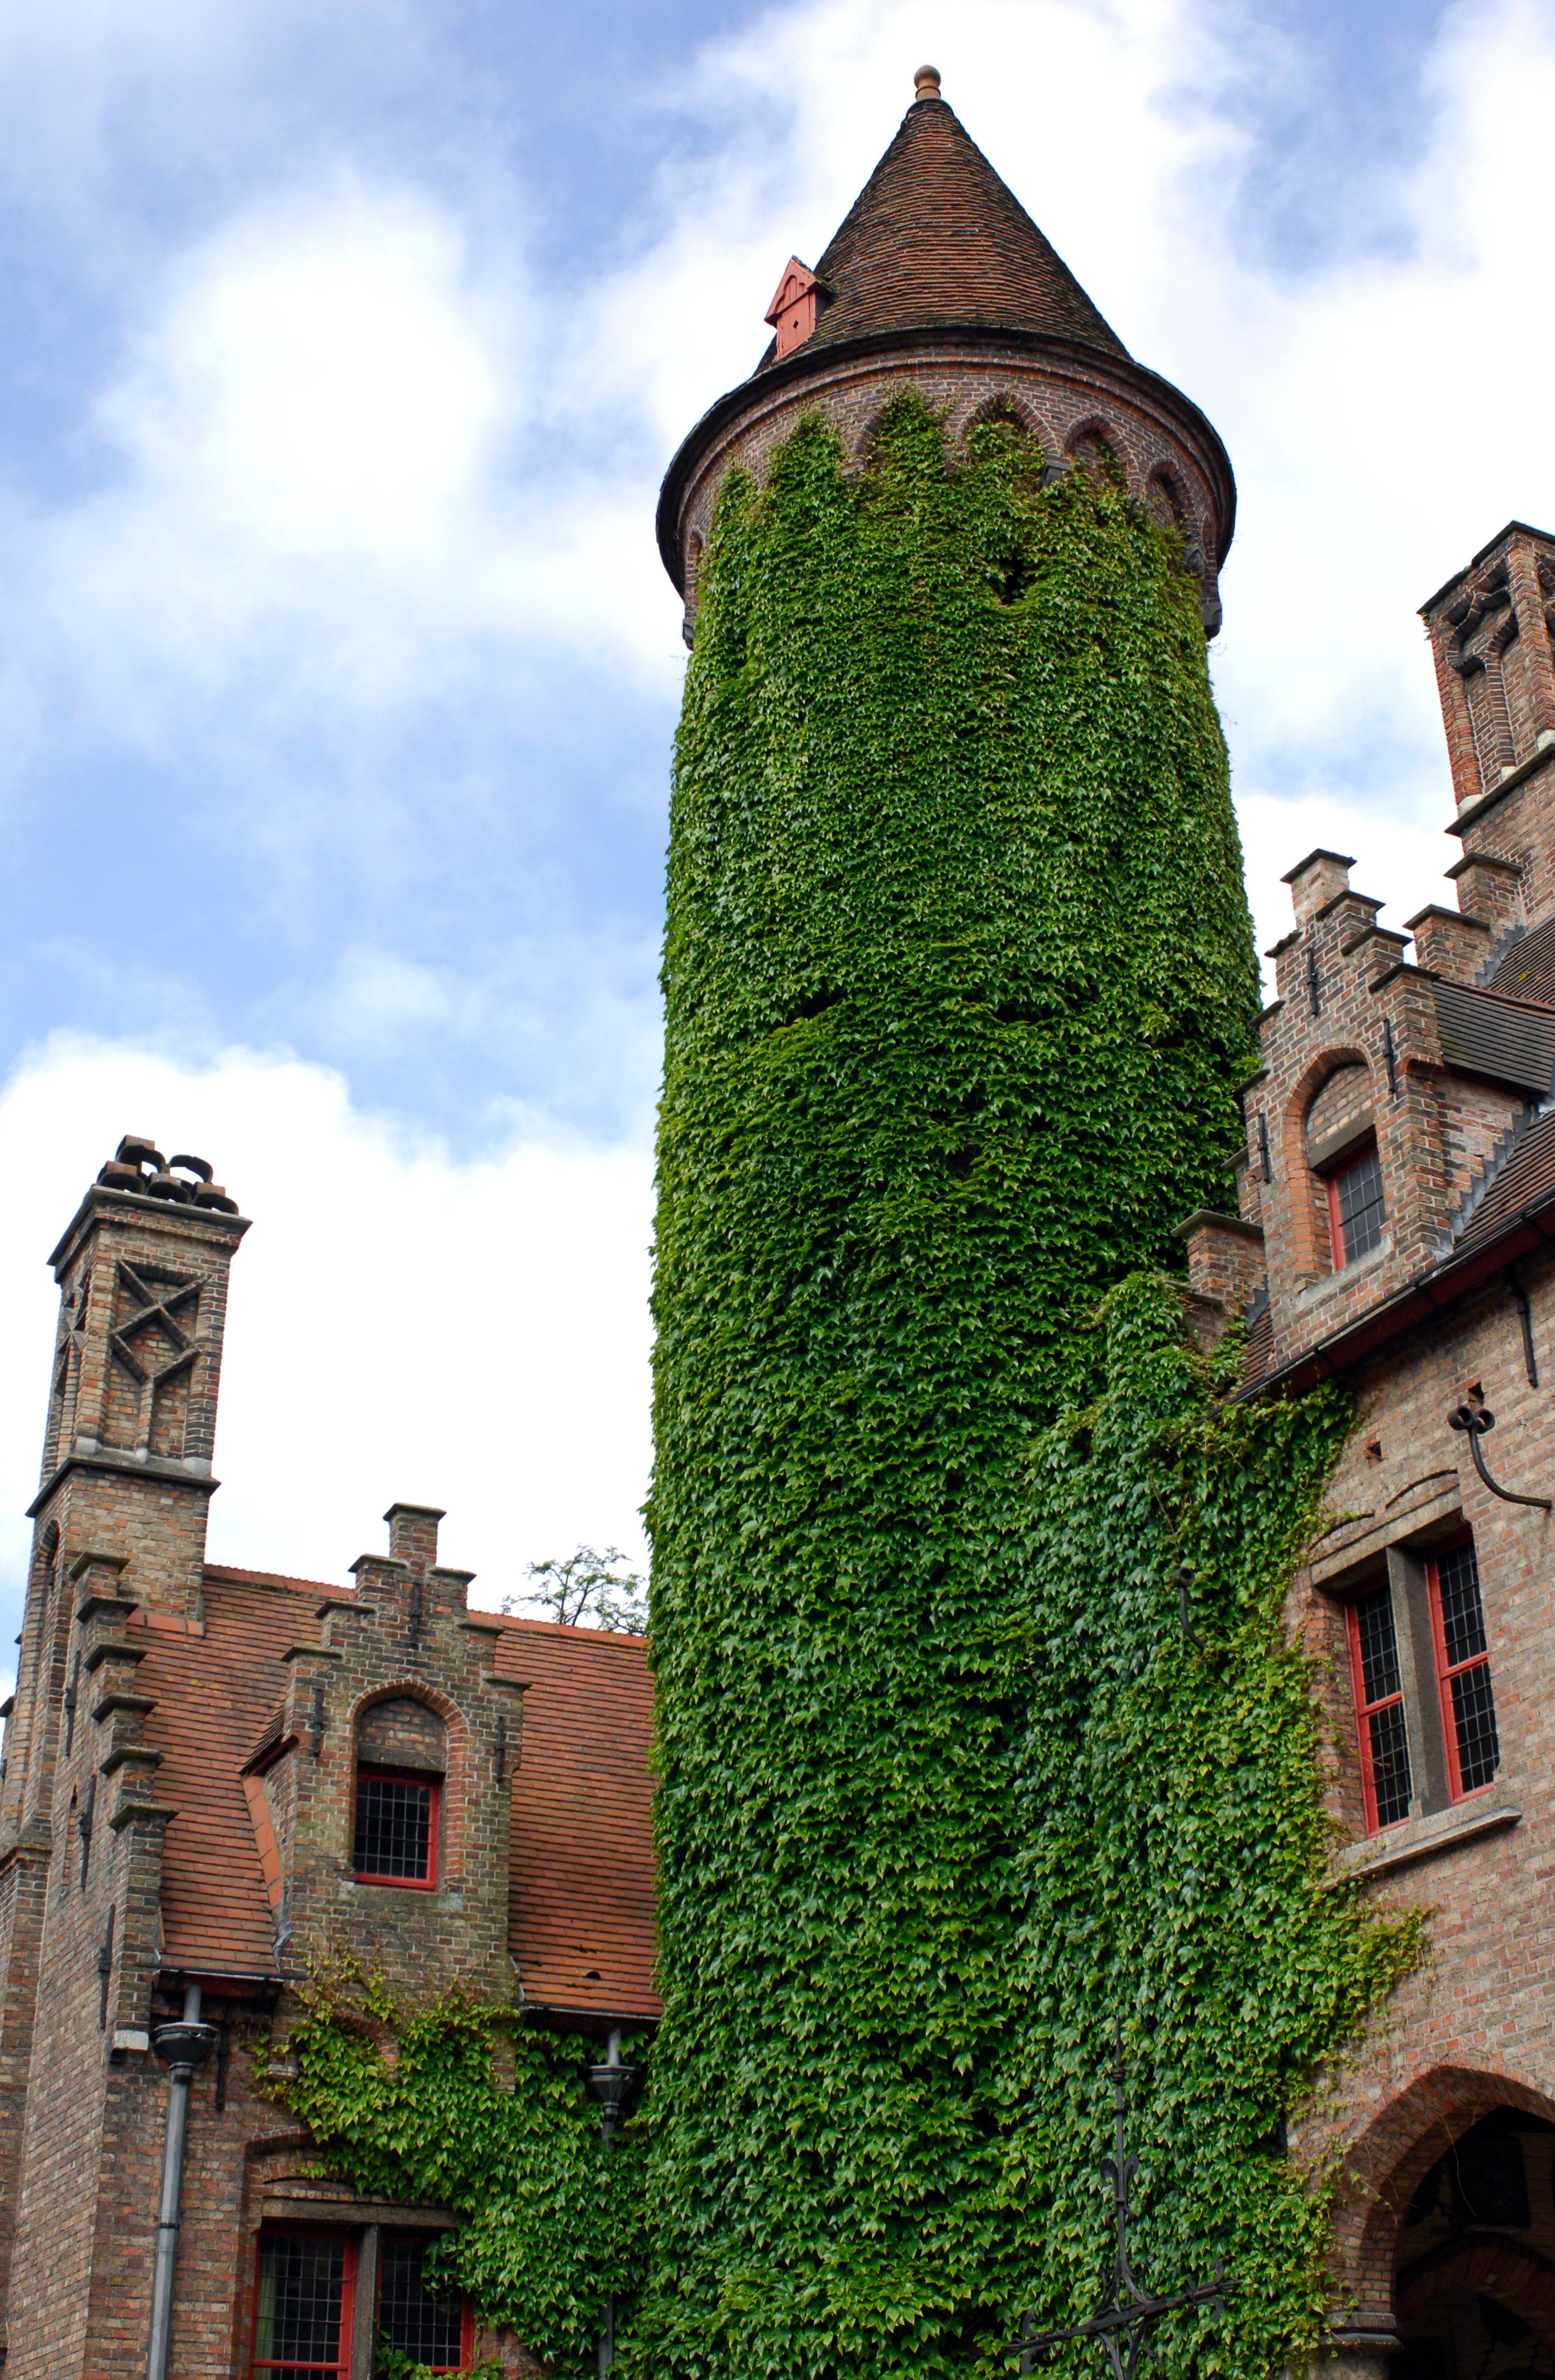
x: 1078, y: 402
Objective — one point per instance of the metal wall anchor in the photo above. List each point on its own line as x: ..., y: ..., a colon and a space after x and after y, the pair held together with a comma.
x: 1126, y: 2311
x: 1474, y: 1421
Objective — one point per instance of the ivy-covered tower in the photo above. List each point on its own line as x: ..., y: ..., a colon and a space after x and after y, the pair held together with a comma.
x: 959, y: 982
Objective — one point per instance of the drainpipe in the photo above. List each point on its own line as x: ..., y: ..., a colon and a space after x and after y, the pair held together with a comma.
x: 181, y: 2048
x: 614, y: 2086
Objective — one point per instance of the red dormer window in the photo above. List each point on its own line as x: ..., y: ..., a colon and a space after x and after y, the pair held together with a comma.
x: 795, y: 307
x: 397, y: 1828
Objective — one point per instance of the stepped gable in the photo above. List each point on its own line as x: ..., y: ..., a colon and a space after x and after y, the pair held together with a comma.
x: 582, y: 1909
x: 936, y: 237
x: 1527, y: 970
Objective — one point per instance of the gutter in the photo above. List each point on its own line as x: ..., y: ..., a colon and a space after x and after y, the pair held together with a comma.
x: 1428, y: 1294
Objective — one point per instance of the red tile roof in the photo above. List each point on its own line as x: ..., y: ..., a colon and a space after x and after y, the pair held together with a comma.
x: 935, y: 237
x: 582, y: 1897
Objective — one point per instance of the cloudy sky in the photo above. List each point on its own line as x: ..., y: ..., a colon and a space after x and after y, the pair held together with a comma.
x: 347, y: 341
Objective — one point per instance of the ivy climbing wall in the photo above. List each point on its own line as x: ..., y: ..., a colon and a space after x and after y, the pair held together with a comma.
x: 959, y: 982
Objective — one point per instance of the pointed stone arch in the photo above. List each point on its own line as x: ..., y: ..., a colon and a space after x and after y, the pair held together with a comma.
x: 1386, y: 2163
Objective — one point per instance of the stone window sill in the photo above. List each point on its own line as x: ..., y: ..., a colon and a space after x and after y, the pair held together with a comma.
x: 1422, y: 1838
x: 1326, y: 1283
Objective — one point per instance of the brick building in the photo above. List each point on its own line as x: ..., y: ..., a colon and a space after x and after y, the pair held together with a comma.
x: 213, y: 1776
x: 1396, y: 1230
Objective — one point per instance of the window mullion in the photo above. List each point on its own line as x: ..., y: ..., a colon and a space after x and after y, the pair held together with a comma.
x: 364, y: 2327
x: 1422, y: 1700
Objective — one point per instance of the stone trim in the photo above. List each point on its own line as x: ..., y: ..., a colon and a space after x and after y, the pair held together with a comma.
x: 1422, y: 1839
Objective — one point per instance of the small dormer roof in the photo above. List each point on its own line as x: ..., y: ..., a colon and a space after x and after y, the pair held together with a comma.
x: 796, y: 281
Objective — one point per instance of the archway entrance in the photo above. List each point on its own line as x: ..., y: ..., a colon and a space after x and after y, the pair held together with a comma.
x: 1474, y: 2273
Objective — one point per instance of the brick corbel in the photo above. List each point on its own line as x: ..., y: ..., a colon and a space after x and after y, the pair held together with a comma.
x: 141, y: 1826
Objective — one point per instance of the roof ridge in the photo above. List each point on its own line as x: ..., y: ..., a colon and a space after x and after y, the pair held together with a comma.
x: 565, y: 1627
x: 239, y: 1574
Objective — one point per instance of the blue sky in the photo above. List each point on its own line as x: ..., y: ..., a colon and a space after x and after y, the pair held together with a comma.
x: 348, y: 342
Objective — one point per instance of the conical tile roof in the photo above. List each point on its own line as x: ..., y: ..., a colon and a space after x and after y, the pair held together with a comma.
x: 934, y: 236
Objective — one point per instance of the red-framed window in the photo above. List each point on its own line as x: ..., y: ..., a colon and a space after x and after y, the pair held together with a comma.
x: 1379, y: 1719
x: 398, y: 1815
x: 1356, y: 1208
x: 1463, y: 1668
x: 303, y: 2305
x: 435, y: 2327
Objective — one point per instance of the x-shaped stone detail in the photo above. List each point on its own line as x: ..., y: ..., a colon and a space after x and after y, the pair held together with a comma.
x: 154, y: 1308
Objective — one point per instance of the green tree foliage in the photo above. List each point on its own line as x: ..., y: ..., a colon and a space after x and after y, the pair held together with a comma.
x: 586, y: 1589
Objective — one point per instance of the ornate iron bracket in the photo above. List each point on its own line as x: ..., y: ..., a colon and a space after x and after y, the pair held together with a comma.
x: 1474, y: 1421
x: 1126, y: 2311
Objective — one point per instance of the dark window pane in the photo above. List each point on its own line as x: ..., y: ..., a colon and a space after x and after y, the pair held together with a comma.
x: 1491, y: 2180
x: 1380, y: 1645
x: 1361, y: 1211
x: 393, y: 1826
x: 300, y: 2287
x: 425, y: 2327
x: 1463, y: 1614
x: 1473, y: 1717
x: 1390, y: 1764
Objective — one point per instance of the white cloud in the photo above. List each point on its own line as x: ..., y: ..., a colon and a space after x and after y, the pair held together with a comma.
x: 1371, y: 401
x: 401, y: 1325
x: 323, y: 383
x: 330, y: 472
x: 357, y: 446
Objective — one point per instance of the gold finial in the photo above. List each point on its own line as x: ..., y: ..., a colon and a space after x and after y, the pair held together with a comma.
x: 926, y: 83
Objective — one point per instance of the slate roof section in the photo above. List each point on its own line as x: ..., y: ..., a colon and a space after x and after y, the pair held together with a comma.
x: 1527, y: 1179
x: 1527, y: 970
x: 936, y: 237
x: 1486, y: 1033
x: 582, y: 1917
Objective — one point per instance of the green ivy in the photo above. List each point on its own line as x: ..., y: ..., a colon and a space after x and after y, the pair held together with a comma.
x: 959, y: 977
x: 958, y: 982
x: 388, y: 2363
x: 411, y: 2104
x: 1175, y: 1848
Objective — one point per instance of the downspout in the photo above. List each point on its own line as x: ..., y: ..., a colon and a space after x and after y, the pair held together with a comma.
x: 614, y: 2086
x: 181, y: 2047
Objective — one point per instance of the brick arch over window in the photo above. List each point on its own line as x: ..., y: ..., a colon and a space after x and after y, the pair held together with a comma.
x: 1092, y: 444
x: 1167, y: 499
x: 1385, y: 2165
x: 1004, y: 405
x: 456, y: 1765
x: 1305, y: 1218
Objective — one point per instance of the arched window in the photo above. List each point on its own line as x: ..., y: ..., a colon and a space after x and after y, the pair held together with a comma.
x: 398, y: 1818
